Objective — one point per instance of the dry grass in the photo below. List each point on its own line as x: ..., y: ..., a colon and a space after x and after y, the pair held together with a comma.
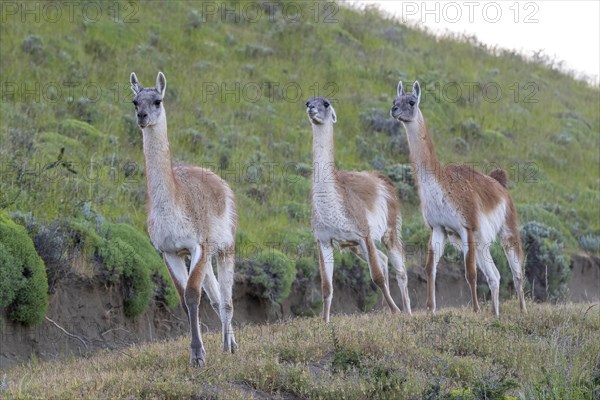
x: 551, y: 353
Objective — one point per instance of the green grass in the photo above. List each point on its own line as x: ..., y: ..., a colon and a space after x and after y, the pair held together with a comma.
x: 543, y: 130
x: 544, y: 134
x: 70, y: 142
x: 550, y: 353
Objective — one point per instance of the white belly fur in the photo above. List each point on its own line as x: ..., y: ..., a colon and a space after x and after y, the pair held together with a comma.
x: 172, y: 231
x: 437, y: 210
x: 331, y: 222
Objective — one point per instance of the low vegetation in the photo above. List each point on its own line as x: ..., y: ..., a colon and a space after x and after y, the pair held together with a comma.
x: 23, y: 282
x: 89, y: 247
x: 551, y: 353
x: 72, y: 199
x: 547, y: 265
x: 270, y: 274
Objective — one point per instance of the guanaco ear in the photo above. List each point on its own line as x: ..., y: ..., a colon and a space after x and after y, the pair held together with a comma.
x: 333, y: 116
x: 161, y: 83
x: 400, y: 89
x: 136, y: 86
x: 417, y: 91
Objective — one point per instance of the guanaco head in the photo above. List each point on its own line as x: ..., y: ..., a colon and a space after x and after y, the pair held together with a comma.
x: 320, y: 111
x: 405, y: 106
x: 148, y: 102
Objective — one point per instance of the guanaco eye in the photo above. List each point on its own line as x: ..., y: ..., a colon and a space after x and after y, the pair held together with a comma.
x: 135, y: 103
x: 307, y: 104
x: 411, y: 102
x: 157, y: 102
x: 326, y: 104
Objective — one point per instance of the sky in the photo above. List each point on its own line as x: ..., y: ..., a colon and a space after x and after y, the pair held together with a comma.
x: 567, y: 31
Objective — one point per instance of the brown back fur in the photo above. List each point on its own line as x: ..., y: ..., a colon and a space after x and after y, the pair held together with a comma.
x: 360, y: 190
x: 471, y: 191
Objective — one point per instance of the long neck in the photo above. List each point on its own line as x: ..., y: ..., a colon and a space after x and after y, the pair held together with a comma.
x: 323, y: 161
x: 422, y: 152
x: 159, y: 170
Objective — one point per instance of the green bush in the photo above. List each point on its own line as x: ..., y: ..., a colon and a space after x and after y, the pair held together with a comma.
x: 415, y: 236
x: 150, y: 259
x: 352, y: 272
x: 590, y: 243
x: 547, y: 267
x: 471, y: 130
x: 122, y: 259
x: 23, y: 284
x: 539, y: 213
x: 402, y: 176
x: 128, y: 254
x: 55, y: 245
x: 271, y: 274
x: 10, y: 277
x: 308, y: 270
x: 58, y: 243
x: 297, y: 211
x: 460, y: 146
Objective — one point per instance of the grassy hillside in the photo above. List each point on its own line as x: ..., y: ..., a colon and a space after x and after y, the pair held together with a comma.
x: 237, y: 84
x: 545, y: 134
x: 551, y: 353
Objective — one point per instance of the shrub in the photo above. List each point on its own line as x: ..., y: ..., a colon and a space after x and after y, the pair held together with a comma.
x: 461, y: 146
x: 194, y: 20
x: 33, y: 45
x: 493, y: 137
x: 402, y: 176
x: 354, y: 273
x: 590, y: 243
x: 308, y: 270
x: 10, y: 277
x: 123, y: 260
x: 23, y: 284
x: 547, y: 268
x: 297, y: 211
x: 128, y: 254
x: 150, y: 259
x: 470, y: 130
x: 375, y: 120
x: 258, y: 50
x: 58, y: 243
x: 271, y: 274
x: 80, y: 130
x: 562, y: 138
x: 546, y: 215
x: 54, y: 245
x: 415, y: 236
